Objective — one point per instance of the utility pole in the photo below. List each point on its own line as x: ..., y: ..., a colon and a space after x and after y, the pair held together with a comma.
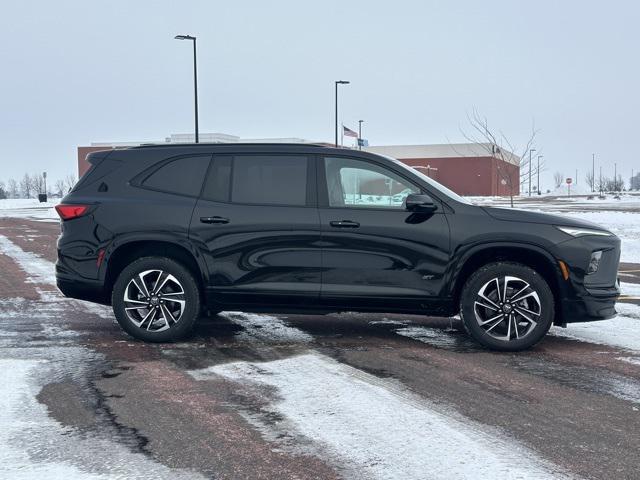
x: 576, y: 176
x: 539, y: 157
x: 593, y: 172
x: 360, y: 122
x: 615, y: 176
x: 530, y: 152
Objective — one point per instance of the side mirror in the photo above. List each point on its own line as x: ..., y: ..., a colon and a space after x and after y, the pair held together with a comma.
x: 420, y: 203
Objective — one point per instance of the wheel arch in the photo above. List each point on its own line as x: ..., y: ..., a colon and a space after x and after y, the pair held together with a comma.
x: 124, y: 253
x: 532, y: 256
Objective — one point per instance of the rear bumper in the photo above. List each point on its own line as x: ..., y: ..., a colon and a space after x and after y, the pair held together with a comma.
x: 73, y: 286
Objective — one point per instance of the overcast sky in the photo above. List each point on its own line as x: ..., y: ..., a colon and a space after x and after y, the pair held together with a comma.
x: 76, y: 72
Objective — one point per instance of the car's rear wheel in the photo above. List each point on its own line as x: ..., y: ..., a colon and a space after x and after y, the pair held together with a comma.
x: 156, y: 299
x: 507, y: 306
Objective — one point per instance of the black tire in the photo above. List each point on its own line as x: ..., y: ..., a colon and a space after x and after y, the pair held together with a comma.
x: 520, y: 306
x: 161, y: 319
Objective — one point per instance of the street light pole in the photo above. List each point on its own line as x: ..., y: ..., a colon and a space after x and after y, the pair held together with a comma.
x: 615, y: 177
x: 195, y: 80
x: 338, y: 82
x: 530, y: 152
x: 538, y: 187
x: 360, y: 122
x: 593, y: 172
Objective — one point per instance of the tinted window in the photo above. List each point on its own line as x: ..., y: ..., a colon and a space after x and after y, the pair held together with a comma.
x: 218, y: 183
x: 270, y: 179
x: 182, y: 176
x: 355, y: 183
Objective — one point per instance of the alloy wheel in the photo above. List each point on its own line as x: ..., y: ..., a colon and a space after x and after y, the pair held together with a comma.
x: 507, y: 308
x: 154, y: 300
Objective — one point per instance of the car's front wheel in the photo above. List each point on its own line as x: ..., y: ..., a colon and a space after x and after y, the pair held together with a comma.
x: 156, y: 299
x: 507, y: 306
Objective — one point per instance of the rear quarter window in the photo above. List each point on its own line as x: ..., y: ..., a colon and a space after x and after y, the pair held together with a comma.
x: 181, y: 176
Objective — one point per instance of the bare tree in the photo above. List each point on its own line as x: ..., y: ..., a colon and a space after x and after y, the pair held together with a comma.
x: 60, y: 187
x: 69, y: 182
x: 558, y: 178
x: 3, y: 190
x: 590, y: 181
x: 12, y: 188
x: 496, y: 144
x: 26, y: 186
x: 602, y: 183
x: 37, y: 183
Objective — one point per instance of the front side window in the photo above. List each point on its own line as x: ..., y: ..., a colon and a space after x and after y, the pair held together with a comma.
x: 356, y: 183
x: 182, y: 176
x: 270, y: 179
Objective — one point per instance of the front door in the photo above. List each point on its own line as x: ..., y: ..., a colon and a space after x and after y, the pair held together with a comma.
x: 258, y: 224
x: 375, y: 253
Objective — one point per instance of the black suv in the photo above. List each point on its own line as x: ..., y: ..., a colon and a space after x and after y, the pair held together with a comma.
x: 164, y: 232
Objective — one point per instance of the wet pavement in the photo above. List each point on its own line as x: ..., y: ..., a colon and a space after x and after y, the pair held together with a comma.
x: 293, y: 396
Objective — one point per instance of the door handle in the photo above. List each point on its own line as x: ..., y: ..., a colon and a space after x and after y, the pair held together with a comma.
x: 214, y: 220
x: 344, y: 224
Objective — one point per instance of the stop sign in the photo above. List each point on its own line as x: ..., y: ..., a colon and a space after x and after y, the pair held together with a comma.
x: 569, y: 181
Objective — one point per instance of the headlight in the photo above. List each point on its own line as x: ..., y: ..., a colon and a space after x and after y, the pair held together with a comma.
x: 594, y: 262
x: 579, y: 232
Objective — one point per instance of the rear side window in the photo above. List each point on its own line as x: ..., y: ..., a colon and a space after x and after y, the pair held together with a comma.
x: 218, y: 185
x: 182, y: 176
x: 270, y: 179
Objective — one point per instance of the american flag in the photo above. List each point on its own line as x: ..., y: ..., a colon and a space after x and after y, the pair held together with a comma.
x: 348, y: 132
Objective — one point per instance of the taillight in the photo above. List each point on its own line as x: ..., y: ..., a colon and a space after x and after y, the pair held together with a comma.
x: 68, y: 212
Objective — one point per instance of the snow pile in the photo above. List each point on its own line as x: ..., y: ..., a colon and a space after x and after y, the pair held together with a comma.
x: 563, y: 190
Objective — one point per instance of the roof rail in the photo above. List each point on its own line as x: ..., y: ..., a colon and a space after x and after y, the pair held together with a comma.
x: 243, y: 144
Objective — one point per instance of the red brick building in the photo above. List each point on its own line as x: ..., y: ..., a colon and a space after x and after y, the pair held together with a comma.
x: 467, y: 169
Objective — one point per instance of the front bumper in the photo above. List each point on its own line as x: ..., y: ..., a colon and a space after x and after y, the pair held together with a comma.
x: 589, y: 297
x: 596, y: 304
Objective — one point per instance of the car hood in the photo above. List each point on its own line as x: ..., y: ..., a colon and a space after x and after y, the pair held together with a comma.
x: 515, y: 215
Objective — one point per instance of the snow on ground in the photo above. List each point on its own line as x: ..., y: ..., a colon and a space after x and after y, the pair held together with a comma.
x: 630, y: 289
x: 29, y: 208
x: 622, y: 331
x: 376, y: 427
x: 32, y: 444
x: 266, y: 329
x: 38, y: 269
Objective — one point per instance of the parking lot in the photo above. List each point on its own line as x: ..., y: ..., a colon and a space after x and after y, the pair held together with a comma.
x: 287, y: 396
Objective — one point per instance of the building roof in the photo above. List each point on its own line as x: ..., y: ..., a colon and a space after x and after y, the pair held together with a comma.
x: 445, y: 150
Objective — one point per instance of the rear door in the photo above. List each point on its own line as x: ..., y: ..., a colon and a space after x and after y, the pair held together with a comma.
x: 257, y: 222
x: 375, y: 253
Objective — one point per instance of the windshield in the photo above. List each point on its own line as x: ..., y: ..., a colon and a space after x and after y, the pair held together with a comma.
x: 438, y: 186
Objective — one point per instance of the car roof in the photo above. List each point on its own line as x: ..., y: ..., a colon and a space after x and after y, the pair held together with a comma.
x: 266, y: 148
